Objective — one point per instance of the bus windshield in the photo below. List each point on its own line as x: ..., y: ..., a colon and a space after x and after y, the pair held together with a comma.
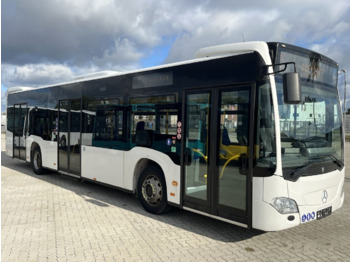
x: 311, y: 132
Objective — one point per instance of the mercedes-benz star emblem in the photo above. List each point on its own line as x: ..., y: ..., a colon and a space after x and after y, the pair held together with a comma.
x: 324, y: 196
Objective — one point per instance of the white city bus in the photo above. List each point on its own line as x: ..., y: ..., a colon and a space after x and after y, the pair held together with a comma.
x: 248, y: 133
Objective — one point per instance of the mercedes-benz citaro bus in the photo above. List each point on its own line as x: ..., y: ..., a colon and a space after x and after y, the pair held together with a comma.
x: 248, y: 133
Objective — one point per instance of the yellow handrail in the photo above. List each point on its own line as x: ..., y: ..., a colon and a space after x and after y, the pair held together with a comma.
x: 235, y: 157
x: 202, y: 155
x: 205, y: 158
x: 228, y: 161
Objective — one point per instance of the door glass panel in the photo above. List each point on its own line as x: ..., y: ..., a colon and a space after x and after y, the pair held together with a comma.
x: 63, y: 135
x: 22, y: 132
x: 196, y: 168
x: 19, y: 134
x: 74, y: 136
x: 17, y: 131
x: 233, y: 147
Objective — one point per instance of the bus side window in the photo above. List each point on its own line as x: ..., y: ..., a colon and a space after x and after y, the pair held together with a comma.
x: 166, y: 120
x: 143, y: 125
x: 90, y: 107
x: 105, y: 125
x: 108, y: 129
x: 40, y: 123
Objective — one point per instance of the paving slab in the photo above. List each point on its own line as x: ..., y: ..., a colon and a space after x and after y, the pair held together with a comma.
x: 56, y: 218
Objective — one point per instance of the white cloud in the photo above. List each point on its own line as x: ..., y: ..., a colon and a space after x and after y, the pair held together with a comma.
x: 50, y: 41
x: 74, y: 32
x: 35, y: 74
x: 228, y: 26
x: 122, y: 56
x: 3, y: 100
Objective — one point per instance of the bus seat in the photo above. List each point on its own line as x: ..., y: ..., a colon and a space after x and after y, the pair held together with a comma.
x: 241, y: 136
x: 140, y: 126
x: 225, y: 137
x: 143, y: 137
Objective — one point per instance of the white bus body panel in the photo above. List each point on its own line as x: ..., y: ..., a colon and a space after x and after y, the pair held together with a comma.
x: 315, y: 193
x: 103, y: 165
x: 118, y: 168
x: 307, y: 192
x: 48, y: 151
x: 265, y: 216
x: 227, y: 49
x: 9, y: 143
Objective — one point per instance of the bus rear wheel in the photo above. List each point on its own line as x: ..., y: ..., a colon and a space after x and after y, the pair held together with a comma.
x: 37, y: 162
x: 152, y: 190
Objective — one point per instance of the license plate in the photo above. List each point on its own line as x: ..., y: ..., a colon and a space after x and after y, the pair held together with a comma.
x: 324, y: 212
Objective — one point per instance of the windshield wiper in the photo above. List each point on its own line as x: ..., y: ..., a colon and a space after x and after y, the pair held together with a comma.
x: 296, y: 173
x: 337, y: 161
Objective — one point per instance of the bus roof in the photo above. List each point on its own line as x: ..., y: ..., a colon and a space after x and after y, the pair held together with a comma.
x: 204, y: 54
x: 16, y: 89
x: 227, y: 49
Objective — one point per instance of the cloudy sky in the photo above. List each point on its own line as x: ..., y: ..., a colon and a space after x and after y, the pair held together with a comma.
x: 45, y: 42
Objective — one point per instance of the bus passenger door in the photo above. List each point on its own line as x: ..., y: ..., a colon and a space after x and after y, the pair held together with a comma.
x: 19, y: 134
x: 232, y: 198
x: 69, y: 136
x: 216, y: 154
x: 196, y: 154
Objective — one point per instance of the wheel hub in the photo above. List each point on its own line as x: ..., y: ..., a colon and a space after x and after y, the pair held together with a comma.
x: 149, y: 191
x: 152, y: 190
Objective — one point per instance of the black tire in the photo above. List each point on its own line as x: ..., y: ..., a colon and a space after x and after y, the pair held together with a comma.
x: 151, y: 190
x: 37, y: 162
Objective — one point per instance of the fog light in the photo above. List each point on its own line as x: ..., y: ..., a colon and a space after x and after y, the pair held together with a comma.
x: 285, y: 205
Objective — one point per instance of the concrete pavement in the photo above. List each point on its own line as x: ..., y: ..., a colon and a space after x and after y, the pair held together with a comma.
x: 55, y: 218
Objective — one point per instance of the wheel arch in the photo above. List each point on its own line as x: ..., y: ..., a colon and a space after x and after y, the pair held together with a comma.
x: 138, y: 159
x: 32, y: 147
x: 141, y: 165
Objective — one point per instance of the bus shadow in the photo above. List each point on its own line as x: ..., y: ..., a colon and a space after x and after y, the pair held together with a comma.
x: 103, y: 197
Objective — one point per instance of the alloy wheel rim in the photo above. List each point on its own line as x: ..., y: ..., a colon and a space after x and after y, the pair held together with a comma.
x: 152, y: 190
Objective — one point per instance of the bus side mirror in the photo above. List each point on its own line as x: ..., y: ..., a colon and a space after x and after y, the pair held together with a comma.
x: 291, y: 88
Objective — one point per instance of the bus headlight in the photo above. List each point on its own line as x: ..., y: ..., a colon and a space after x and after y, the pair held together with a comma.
x: 285, y: 205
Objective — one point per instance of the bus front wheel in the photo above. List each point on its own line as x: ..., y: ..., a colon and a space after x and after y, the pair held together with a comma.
x: 152, y: 190
x: 37, y: 162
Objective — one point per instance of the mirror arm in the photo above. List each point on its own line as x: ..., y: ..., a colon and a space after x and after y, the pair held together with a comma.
x: 279, y: 71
